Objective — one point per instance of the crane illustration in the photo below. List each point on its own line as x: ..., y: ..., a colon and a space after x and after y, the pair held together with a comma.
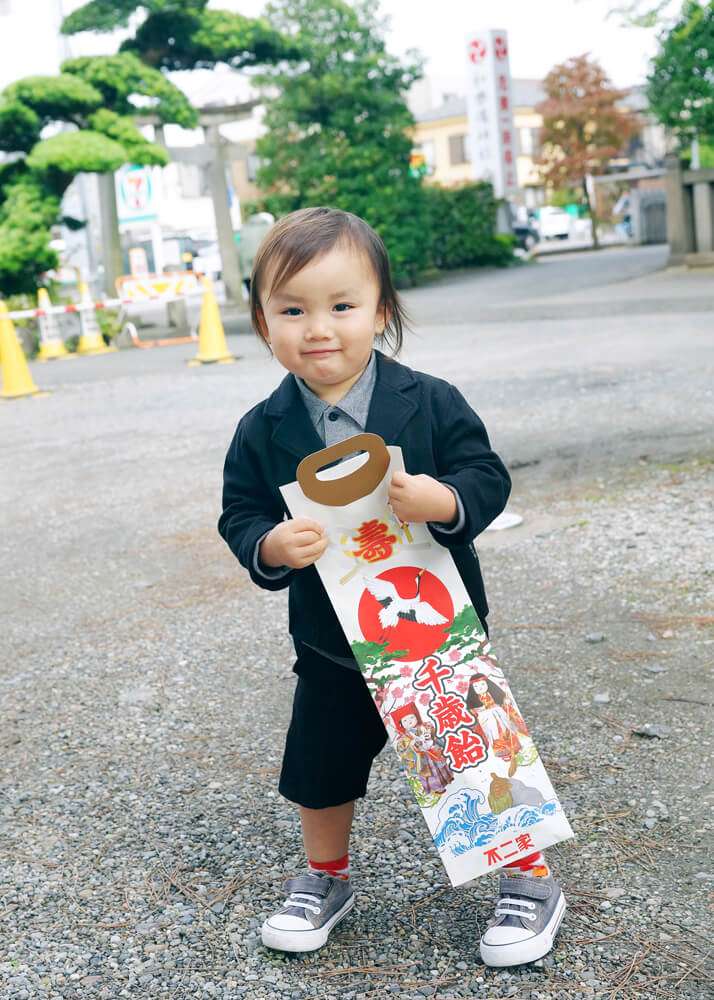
x: 396, y: 607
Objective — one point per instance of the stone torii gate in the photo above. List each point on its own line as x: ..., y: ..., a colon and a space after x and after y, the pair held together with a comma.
x: 214, y: 154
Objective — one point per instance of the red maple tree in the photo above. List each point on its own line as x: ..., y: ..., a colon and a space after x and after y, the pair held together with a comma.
x: 583, y: 127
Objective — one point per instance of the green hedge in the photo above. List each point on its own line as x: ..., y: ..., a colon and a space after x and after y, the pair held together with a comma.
x: 456, y: 228
x: 461, y: 227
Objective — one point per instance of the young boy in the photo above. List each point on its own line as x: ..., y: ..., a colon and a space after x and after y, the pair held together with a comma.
x: 321, y: 294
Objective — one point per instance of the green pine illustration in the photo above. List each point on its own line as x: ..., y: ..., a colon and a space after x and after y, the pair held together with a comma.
x: 464, y: 631
x: 375, y: 662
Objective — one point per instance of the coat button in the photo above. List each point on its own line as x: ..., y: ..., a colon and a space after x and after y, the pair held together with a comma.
x: 333, y: 415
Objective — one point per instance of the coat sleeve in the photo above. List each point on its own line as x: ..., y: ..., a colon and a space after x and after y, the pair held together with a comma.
x: 251, y: 508
x: 466, y: 462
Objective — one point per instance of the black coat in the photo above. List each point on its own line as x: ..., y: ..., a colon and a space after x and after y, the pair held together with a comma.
x: 439, y: 435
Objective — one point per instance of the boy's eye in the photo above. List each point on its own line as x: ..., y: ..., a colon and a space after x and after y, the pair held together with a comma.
x: 343, y: 306
x: 292, y: 311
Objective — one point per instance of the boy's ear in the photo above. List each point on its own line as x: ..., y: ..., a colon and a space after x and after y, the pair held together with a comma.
x: 384, y: 314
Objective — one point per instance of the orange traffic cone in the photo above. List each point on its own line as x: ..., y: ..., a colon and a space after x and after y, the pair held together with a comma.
x: 16, y: 378
x: 51, y: 343
x: 212, y: 345
x: 90, y: 340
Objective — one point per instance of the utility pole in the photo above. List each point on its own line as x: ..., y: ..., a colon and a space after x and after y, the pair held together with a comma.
x: 111, y: 245
x: 230, y: 265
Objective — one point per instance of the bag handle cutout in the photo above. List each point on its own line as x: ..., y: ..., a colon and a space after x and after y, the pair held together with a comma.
x: 345, y: 489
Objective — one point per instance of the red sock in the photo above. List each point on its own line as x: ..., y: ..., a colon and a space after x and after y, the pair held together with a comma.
x: 340, y: 868
x: 533, y: 865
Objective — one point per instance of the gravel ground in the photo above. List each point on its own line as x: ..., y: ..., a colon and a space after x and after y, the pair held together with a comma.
x: 146, y: 687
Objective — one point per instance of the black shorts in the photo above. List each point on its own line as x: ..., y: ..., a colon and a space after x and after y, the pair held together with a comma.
x: 335, y: 733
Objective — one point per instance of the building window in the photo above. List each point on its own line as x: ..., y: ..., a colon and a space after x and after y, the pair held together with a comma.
x: 458, y: 150
x: 252, y: 166
x: 529, y: 141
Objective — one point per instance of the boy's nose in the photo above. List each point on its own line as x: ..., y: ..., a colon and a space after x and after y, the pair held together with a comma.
x: 318, y: 330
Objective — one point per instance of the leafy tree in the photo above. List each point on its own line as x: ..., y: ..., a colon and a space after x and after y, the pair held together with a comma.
x: 183, y: 34
x: 644, y: 13
x: 337, y: 125
x: 97, y: 138
x: 583, y: 128
x: 681, y: 85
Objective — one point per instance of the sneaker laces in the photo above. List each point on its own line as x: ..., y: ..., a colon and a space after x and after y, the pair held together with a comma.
x: 510, y: 906
x: 304, y: 901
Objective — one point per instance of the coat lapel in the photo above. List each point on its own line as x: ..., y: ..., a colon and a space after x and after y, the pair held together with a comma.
x: 292, y: 427
x: 394, y: 403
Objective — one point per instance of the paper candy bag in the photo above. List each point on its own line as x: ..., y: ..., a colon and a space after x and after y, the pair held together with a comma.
x: 449, y: 712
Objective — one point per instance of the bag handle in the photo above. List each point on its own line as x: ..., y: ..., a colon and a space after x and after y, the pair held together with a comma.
x: 346, y: 489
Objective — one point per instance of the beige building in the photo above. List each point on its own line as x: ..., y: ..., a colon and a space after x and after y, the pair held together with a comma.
x: 441, y: 137
x: 441, y: 140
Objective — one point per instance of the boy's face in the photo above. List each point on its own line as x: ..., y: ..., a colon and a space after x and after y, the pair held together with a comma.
x: 321, y: 324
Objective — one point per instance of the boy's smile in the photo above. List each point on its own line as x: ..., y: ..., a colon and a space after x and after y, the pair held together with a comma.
x: 321, y: 324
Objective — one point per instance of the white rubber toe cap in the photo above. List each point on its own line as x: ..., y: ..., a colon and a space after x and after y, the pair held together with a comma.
x: 497, y: 936
x: 288, y: 922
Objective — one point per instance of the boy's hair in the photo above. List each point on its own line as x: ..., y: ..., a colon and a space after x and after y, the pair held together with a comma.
x: 300, y: 237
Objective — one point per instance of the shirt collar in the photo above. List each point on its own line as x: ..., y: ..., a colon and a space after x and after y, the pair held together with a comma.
x: 355, y: 403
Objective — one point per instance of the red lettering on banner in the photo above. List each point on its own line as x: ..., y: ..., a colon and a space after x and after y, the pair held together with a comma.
x: 374, y: 541
x: 512, y: 854
x: 525, y: 842
x: 429, y: 676
x: 449, y: 711
x: 464, y: 749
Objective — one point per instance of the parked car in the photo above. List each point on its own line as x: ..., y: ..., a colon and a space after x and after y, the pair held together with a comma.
x: 526, y: 235
x: 554, y: 223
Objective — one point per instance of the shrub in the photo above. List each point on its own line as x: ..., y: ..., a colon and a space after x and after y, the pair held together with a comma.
x: 461, y: 224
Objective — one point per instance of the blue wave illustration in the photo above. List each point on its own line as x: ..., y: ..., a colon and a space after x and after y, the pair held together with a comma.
x: 463, y: 826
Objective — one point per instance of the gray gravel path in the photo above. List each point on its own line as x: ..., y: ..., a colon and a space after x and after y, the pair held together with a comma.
x: 145, y: 686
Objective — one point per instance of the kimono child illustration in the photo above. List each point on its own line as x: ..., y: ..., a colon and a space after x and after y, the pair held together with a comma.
x: 498, y: 721
x: 418, y: 750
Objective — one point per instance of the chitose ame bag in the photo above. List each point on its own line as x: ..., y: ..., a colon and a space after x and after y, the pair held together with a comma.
x: 449, y: 712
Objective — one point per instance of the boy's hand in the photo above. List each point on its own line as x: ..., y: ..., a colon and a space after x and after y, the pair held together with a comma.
x: 417, y: 499
x: 297, y: 543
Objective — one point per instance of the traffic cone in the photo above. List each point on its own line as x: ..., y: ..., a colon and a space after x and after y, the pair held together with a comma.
x: 16, y: 378
x: 90, y: 340
x: 212, y: 345
x: 51, y: 343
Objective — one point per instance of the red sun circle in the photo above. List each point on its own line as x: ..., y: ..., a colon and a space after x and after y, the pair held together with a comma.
x: 418, y: 640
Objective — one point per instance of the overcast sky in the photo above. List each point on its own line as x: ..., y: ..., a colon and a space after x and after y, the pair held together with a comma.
x: 541, y: 32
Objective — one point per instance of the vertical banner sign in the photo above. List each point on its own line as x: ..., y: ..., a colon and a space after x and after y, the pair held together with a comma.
x: 489, y: 104
x: 465, y: 749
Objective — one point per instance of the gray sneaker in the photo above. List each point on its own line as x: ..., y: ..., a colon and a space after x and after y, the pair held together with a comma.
x: 315, y: 903
x: 529, y: 912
